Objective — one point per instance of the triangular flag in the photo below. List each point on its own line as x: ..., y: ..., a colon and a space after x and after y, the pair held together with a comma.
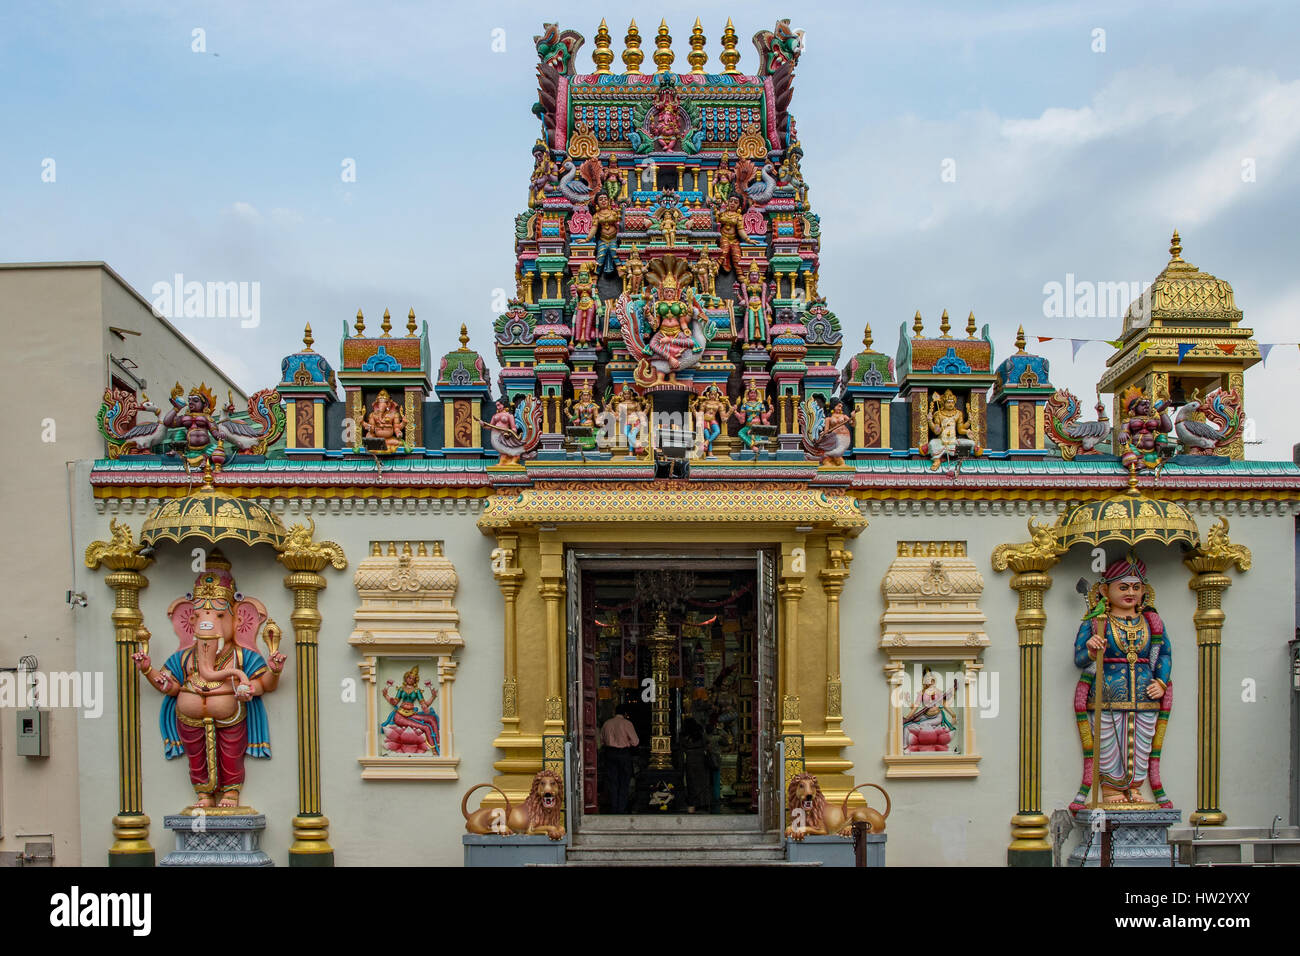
x: 1227, y: 347
x: 1045, y: 338
x: 1075, y: 345
x: 1264, y: 349
x: 1143, y: 346
x: 1183, y: 349
x: 1113, y: 343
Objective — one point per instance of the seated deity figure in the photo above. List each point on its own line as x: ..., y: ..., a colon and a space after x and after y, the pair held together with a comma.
x: 1124, y: 637
x: 950, y: 428
x: 412, y: 727
x: 930, y: 724
x: 385, y: 422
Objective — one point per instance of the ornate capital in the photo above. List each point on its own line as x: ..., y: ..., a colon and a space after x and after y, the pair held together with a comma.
x: 1039, y: 553
x: 1218, y: 553
x: 301, y: 553
x: 120, y: 553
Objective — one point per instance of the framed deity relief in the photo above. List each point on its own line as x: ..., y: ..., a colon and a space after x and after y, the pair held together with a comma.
x: 406, y: 630
x: 932, y: 633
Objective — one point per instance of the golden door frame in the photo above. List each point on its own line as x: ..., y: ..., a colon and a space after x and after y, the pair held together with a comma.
x: 806, y: 530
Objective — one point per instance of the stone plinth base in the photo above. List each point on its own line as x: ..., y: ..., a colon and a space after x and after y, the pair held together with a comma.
x: 834, y: 850
x: 1138, y: 837
x: 491, y: 850
x: 217, y: 839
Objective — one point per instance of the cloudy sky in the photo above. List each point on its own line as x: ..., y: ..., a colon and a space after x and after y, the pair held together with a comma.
x: 1080, y: 135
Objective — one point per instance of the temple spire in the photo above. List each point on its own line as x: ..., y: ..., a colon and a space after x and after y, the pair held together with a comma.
x: 387, y: 324
x: 697, y: 57
x: 729, y: 55
x: 970, y: 325
x: 464, y: 338
x: 632, y: 56
x: 1020, y: 340
x: 307, y: 340
x: 361, y: 322
x: 944, y: 325
x: 410, y: 323
x: 603, y: 55
x: 917, y: 325
x: 1175, y: 248
x: 866, y: 337
x: 663, y: 55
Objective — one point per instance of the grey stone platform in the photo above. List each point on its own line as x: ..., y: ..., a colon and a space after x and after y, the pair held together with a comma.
x: 835, y: 850
x: 1139, y: 837
x: 214, y: 839
x: 515, y: 850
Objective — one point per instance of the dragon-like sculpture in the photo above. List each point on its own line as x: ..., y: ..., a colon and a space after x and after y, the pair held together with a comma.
x: 1061, y: 422
x: 1222, y: 425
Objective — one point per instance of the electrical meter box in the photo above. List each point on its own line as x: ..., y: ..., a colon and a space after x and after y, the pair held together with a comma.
x: 33, y: 733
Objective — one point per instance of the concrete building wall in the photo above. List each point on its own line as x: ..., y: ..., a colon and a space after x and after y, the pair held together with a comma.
x: 934, y: 822
x: 55, y: 366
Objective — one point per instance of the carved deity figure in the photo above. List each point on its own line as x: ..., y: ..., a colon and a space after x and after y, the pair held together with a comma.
x: 753, y: 295
x: 706, y: 275
x: 929, y: 726
x: 584, y: 313
x: 583, y: 412
x: 412, y: 727
x: 604, y: 229
x: 754, y: 409
x: 668, y: 218
x: 212, y: 711
x: 672, y: 307
x: 731, y: 231
x: 725, y: 178
x: 1124, y: 637
x: 950, y: 428
x: 545, y: 173
x: 197, y: 416
x: 385, y: 422
x: 629, y: 412
x: 1143, y: 434
x: 633, y: 273
x: 711, y: 408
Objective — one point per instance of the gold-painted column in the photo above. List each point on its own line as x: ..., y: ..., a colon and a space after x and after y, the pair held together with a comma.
x: 1032, y: 565
x: 305, y: 559
x: 791, y: 587
x: 833, y: 578
x: 510, y: 581
x: 1208, y: 564
x: 121, y: 556
x: 552, y: 591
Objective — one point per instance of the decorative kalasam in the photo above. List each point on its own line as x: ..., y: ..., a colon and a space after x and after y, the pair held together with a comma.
x: 541, y: 812
x: 212, y: 711
x: 811, y: 815
x: 1126, y: 657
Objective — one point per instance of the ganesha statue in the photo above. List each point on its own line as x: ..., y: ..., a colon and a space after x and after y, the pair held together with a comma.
x: 212, y: 686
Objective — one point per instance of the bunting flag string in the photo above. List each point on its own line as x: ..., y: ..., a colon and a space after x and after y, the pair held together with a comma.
x: 1184, y: 348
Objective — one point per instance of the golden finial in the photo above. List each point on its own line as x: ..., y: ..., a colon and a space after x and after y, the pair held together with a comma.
x: 916, y: 324
x: 464, y: 338
x: 944, y: 325
x: 361, y: 322
x: 410, y: 322
x: 437, y: 549
x: 633, y: 56
x: 1175, y: 248
x: 375, y: 548
x: 970, y: 325
x: 387, y: 324
x: 1020, y: 340
x: 866, y: 338
x: 603, y: 55
x: 663, y: 48
x: 697, y: 57
x: 307, y: 340
x: 729, y: 55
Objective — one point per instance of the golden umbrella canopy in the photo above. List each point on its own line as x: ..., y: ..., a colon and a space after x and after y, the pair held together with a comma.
x: 213, y: 516
x: 1126, y: 518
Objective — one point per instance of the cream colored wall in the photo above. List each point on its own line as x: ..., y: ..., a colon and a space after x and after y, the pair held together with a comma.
x: 955, y: 822
x: 54, y: 364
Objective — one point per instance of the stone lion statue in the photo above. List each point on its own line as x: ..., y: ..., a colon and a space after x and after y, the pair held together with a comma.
x: 810, y: 814
x: 540, y: 812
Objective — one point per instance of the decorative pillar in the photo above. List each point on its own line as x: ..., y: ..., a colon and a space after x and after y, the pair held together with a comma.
x: 552, y: 590
x: 121, y: 556
x: 1208, y: 564
x: 833, y: 578
x: 1032, y: 563
x: 792, y: 589
x: 509, y: 580
x: 304, y: 559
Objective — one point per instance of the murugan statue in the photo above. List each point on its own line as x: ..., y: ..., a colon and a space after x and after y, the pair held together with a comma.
x: 668, y: 218
x: 604, y: 229
x: 1143, y: 433
x: 385, y: 422
x: 412, y: 727
x: 1123, y: 633
x: 212, y: 711
x: 950, y: 428
x: 711, y: 408
x: 753, y: 295
x: 731, y: 230
x: 584, y: 313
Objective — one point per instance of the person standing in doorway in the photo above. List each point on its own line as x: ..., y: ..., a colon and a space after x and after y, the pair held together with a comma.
x: 618, y: 737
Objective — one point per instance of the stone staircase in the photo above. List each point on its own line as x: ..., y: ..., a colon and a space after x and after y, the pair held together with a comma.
x: 675, y: 840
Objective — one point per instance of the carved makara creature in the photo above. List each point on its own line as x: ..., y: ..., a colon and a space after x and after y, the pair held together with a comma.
x: 1061, y: 421
x: 540, y: 812
x: 811, y: 815
x: 1222, y: 425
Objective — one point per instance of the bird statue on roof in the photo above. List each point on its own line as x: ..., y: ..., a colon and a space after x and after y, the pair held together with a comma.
x: 576, y: 192
x: 1061, y: 420
x: 1222, y: 425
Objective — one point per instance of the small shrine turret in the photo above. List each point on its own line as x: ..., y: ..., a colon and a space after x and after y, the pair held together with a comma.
x: 869, y: 383
x: 1020, y: 395
x: 385, y: 381
x: 307, y: 385
x: 463, y: 389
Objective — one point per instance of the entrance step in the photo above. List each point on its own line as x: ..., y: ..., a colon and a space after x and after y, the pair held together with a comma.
x: 661, y: 839
x: 676, y: 854
x: 677, y: 840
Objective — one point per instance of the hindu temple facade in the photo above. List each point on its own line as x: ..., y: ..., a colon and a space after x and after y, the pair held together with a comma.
x: 685, y: 494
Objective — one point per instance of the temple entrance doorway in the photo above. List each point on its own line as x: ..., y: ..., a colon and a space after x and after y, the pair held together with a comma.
x: 672, y: 669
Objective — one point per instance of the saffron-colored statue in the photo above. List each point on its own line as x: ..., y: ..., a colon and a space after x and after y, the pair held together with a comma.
x: 541, y: 812
x: 633, y: 273
x: 731, y: 231
x: 585, y: 304
x: 412, y: 727
x: 213, y: 712
x: 604, y: 229
x: 1124, y: 630
x: 1144, y: 434
x: 951, y: 430
x: 385, y: 422
x: 811, y: 815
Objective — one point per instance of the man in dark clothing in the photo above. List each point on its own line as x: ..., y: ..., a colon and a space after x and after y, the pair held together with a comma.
x: 619, y: 739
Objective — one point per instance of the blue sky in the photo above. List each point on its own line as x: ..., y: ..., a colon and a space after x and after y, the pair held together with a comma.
x: 225, y: 164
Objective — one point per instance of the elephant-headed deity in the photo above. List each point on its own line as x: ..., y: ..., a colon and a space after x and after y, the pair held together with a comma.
x: 212, y: 711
